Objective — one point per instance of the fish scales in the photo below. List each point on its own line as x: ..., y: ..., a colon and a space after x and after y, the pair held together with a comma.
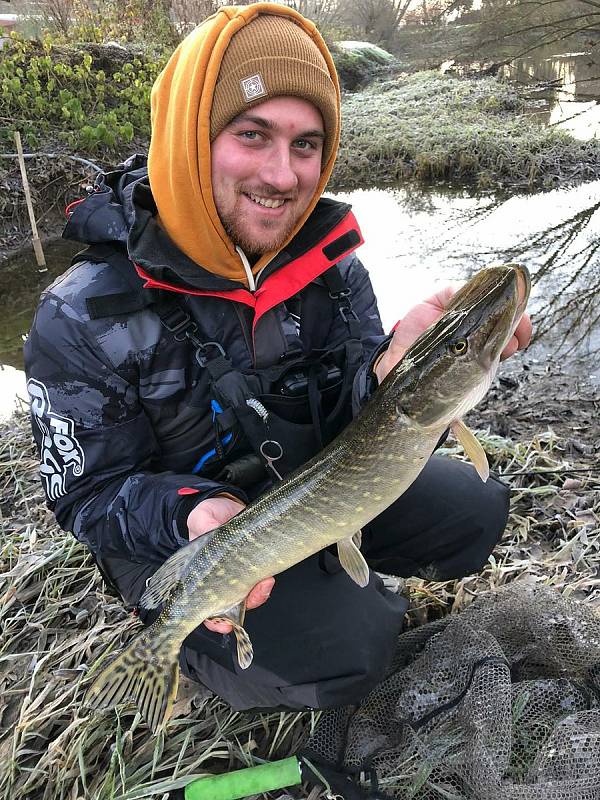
x: 329, y: 499
x: 326, y: 504
x: 326, y: 494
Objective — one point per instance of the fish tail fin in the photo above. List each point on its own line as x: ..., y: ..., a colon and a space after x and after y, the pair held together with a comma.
x: 142, y: 673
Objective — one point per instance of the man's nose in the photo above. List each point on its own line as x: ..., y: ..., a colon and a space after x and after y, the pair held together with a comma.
x: 277, y: 169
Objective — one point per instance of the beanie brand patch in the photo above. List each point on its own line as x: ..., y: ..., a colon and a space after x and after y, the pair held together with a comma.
x: 253, y: 87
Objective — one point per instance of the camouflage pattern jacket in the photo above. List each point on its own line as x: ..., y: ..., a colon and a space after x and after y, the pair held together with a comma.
x: 111, y: 393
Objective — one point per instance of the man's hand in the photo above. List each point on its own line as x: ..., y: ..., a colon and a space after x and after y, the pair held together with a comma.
x: 206, y: 516
x: 422, y: 316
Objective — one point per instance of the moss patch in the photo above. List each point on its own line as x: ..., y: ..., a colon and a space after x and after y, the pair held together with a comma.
x: 360, y: 63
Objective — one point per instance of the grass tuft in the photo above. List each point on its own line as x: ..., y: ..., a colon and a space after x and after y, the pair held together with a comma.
x: 434, y: 127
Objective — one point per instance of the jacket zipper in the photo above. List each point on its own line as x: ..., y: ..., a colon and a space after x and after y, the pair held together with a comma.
x: 240, y: 311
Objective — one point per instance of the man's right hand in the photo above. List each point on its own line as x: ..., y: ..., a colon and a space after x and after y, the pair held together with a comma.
x: 206, y: 516
x: 421, y: 316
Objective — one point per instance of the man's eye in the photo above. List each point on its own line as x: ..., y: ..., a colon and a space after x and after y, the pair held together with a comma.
x: 250, y: 136
x: 304, y: 144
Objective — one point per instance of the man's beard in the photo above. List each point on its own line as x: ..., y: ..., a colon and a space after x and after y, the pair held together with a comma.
x: 234, y: 228
x: 272, y: 236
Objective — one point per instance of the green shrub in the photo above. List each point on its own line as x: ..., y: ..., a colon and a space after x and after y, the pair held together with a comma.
x: 61, y: 93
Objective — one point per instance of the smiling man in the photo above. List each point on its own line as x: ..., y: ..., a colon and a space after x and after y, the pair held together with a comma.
x: 266, y: 167
x: 218, y: 331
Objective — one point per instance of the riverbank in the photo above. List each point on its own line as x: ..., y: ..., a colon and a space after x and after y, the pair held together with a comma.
x: 425, y: 127
x: 541, y: 430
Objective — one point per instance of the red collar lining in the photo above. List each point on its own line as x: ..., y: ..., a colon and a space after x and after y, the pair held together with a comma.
x: 236, y: 295
x: 282, y: 284
x: 293, y: 277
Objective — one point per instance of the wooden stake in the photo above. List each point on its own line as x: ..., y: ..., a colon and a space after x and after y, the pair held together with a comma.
x: 37, y: 245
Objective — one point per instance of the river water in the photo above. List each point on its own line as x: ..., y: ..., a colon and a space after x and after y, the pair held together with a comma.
x: 416, y: 240
x: 573, y: 86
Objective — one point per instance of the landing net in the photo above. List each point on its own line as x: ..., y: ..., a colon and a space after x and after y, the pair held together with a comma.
x: 500, y: 701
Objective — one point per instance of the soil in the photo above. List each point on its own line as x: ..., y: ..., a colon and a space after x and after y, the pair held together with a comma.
x: 532, y: 397
x: 54, y: 183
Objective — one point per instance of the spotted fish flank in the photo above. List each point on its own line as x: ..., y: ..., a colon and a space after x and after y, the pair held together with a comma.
x: 330, y: 498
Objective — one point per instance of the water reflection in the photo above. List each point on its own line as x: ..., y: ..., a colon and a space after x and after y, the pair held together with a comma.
x: 575, y: 76
x: 573, y: 81
x: 582, y: 120
x: 13, y: 393
x: 413, y: 246
x: 416, y: 241
x: 20, y: 288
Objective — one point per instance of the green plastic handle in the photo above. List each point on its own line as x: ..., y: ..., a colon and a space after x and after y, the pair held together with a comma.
x: 246, y: 782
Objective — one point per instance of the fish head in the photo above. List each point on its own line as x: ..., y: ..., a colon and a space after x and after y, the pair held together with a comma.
x: 450, y: 367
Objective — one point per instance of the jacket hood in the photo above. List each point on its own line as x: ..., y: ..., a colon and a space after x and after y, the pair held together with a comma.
x: 179, y: 165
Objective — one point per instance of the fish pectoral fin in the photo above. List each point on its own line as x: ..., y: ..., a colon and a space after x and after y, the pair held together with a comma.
x: 245, y: 653
x: 142, y: 674
x: 357, y: 539
x: 472, y: 448
x: 235, y: 615
x: 352, y: 560
x: 168, y: 576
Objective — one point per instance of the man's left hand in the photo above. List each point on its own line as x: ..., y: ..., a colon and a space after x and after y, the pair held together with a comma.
x: 422, y: 316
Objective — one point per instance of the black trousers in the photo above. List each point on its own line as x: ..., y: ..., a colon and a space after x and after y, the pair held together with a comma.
x: 322, y: 641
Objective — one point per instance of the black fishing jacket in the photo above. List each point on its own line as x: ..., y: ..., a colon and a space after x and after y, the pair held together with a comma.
x: 140, y: 366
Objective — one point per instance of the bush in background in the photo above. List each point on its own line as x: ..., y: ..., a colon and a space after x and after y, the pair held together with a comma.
x: 88, y: 98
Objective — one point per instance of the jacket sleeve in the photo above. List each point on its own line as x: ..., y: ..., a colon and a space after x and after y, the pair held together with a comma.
x: 97, y: 446
x: 373, y: 338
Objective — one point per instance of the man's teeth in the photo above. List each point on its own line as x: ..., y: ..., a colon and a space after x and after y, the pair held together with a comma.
x: 262, y: 201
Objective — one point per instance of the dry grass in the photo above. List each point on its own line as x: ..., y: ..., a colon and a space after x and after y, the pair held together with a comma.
x: 56, y: 619
x: 553, y: 530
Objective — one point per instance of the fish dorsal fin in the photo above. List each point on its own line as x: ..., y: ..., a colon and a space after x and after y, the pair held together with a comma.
x: 352, y: 561
x: 245, y: 653
x: 167, y: 577
x: 472, y: 448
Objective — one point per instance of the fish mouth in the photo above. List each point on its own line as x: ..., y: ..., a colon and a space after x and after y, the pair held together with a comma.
x: 517, y: 287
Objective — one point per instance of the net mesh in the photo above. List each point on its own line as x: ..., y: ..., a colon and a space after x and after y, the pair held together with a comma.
x: 499, y: 702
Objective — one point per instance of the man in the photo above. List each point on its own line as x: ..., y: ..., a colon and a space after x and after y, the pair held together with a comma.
x: 217, y: 333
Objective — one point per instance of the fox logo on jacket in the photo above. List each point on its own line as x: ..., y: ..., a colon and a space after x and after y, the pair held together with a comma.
x: 60, y: 450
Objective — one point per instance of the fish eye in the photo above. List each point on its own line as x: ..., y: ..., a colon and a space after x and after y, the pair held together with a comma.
x: 459, y: 347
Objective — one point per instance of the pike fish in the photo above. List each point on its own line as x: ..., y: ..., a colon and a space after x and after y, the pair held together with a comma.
x: 365, y: 469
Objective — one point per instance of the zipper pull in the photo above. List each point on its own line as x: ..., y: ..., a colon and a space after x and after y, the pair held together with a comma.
x: 271, y: 450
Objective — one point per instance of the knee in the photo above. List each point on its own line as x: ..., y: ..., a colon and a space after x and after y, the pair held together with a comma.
x: 309, y: 659
x: 484, y: 523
